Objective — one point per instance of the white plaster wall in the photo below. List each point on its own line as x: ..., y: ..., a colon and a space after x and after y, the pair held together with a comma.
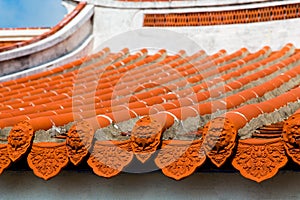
x: 85, y: 185
x: 110, y: 23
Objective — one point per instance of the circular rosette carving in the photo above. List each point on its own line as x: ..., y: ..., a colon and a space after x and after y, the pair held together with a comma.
x: 179, y: 159
x: 145, y: 138
x: 291, y: 137
x: 108, y: 158
x: 219, y: 140
x: 79, y: 140
x: 4, y: 158
x: 19, y: 140
x: 47, y: 159
x: 259, y: 159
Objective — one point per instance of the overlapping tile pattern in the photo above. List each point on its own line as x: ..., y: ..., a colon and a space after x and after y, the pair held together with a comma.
x: 172, y: 111
x: 240, y: 16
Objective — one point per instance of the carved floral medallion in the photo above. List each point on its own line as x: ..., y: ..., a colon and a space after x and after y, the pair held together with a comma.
x: 259, y: 159
x: 19, y: 140
x: 47, y: 159
x: 145, y: 138
x: 219, y: 140
x: 79, y: 140
x: 179, y: 159
x: 108, y: 158
x: 4, y: 158
x: 291, y: 137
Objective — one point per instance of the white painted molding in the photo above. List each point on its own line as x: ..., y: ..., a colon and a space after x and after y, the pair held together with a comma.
x: 20, y: 34
x: 184, y: 3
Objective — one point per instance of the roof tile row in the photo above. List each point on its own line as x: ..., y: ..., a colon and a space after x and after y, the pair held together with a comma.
x: 176, y: 109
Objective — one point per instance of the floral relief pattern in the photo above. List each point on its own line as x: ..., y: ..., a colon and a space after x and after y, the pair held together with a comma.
x: 179, y: 159
x: 19, y: 140
x: 108, y: 158
x: 145, y: 138
x: 291, y: 137
x: 4, y: 158
x: 219, y: 140
x: 46, y: 159
x: 79, y: 140
x: 259, y: 159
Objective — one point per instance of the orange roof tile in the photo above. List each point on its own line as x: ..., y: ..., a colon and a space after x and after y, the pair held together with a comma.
x: 173, y: 111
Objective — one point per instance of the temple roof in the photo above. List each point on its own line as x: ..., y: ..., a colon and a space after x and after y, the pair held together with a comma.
x: 131, y: 111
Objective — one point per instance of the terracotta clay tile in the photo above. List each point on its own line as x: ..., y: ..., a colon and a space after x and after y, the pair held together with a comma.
x: 198, y: 97
x: 102, y: 121
x: 121, y: 115
x: 146, y: 135
x: 4, y: 158
x: 247, y: 95
x: 142, y: 111
x: 19, y: 140
x: 41, y: 123
x: 249, y: 111
x: 237, y: 119
x: 203, y: 109
x: 259, y: 159
x: 179, y: 159
x: 235, y: 85
x: 13, y: 120
x: 290, y: 136
x: 60, y: 120
x: 219, y: 139
x: 266, y: 107
x: 108, y: 158
x: 234, y: 101
x: 153, y: 100
x: 41, y: 114
x: 136, y: 104
x: 47, y: 159
x: 79, y: 141
x: 184, y: 112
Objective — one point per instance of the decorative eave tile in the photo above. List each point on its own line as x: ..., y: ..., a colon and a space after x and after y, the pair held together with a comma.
x: 5, y: 161
x: 291, y: 137
x: 19, y: 140
x: 259, y: 159
x: 179, y: 159
x: 79, y: 141
x: 219, y: 140
x: 108, y: 158
x: 47, y: 159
